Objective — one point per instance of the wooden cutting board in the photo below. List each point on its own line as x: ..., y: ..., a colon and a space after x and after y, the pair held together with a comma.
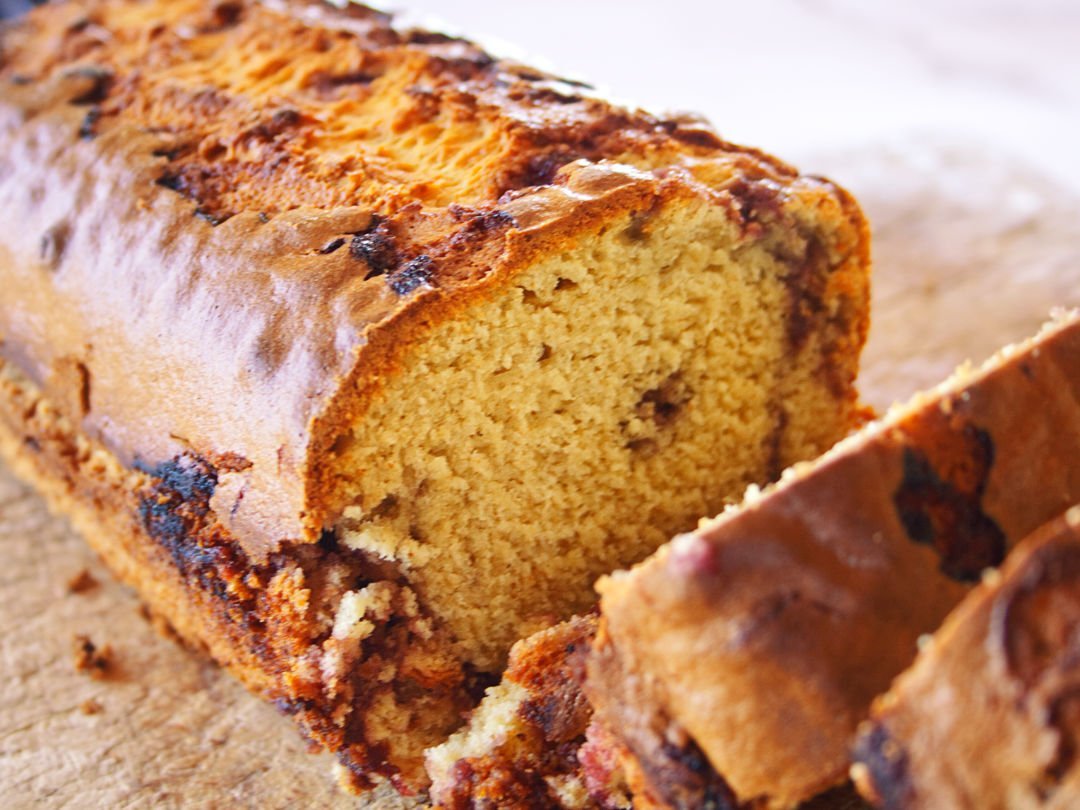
x: 971, y: 252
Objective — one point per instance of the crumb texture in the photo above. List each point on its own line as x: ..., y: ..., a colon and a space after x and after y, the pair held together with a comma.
x: 574, y: 423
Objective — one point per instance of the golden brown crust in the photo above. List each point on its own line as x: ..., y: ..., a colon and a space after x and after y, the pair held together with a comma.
x: 223, y: 313
x: 245, y: 126
x: 987, y: 716
x: 785, y: 618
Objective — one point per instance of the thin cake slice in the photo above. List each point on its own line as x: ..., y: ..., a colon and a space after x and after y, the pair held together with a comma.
x: 534, y: 743
x: 361, y: 354
x: 989, y: 715
x: 739, y: 660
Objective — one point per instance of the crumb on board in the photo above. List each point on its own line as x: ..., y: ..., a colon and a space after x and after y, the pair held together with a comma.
x: 81, y: 582
x: 91, y: 659
x: 91, y: 706
x: 162, y: 626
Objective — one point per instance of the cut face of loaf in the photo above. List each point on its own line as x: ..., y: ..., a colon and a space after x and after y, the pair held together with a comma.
x: 361, y: 353
x: 987, y: 715
x: 759, y: 641
x: 592, y: 390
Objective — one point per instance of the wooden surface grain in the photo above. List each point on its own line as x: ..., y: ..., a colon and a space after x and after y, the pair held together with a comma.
x: 165, y: 728
x: 972, y: 249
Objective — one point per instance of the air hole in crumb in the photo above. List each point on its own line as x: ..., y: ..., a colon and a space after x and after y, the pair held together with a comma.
x: 647, y: 431
x: 342, y: 444
x: 545, y: 353
x: 387, y: 509
x: 531, y: 299
x: 643, y: 447
x: 565, y: 284
x: 662, y: 404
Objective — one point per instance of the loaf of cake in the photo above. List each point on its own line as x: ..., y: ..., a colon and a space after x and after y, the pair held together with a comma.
x: 360, y: 353
x: 739, y: 660
x: 988, y: 716
x: 732, y: 668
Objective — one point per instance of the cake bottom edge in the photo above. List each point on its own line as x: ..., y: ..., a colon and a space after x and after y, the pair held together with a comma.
x: 333, y: 639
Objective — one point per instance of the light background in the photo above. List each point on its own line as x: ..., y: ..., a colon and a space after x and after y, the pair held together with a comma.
x: 805, y: 77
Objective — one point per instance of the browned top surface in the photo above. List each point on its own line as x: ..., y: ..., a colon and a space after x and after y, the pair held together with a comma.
x: 250, y: 208
x: 278, y: 105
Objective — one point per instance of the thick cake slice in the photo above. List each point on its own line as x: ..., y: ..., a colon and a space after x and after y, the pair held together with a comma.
x: 987, y: 717
x: 360, y: 353
x: 738, y: 660
x: 534, y: 744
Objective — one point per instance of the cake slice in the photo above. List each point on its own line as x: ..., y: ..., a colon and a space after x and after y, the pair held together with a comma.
x: 750, y: 650
x: 732, y: 668
x: 534, y: 743
x: 987, y: 717
x: 361, y: 353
